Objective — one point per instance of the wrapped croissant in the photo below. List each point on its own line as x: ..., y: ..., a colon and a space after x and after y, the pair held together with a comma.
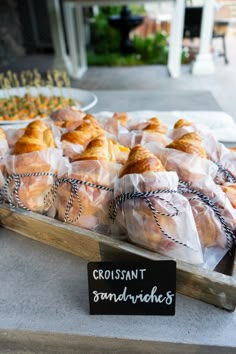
x: 154, y: 214
x: 3, y: 143
x: 199, y: 175
x: 68, y: 117
x: 213, y: 149
x: 85, y: 189
x: 153, y: 125
x: 31, y: 177
x: 74, y: 142
x: 145, y: 132
x: 114, y: 124
x: 190, y: 143
x: 103, y: 148
x: 37, y: 137
x: 32, y: 170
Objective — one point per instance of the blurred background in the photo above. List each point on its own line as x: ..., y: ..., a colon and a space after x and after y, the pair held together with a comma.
x: 126, y: 47
x: 25, y: 30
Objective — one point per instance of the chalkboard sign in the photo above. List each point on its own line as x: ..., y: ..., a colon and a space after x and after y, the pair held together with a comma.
x: 144, y: 288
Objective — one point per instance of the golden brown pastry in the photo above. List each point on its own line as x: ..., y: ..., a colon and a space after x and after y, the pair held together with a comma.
x: 230, y: 191
x: 120, y: 152
x: 33, y: 188
x: 67, y: 117
x: 97, y: 149
x: 102, y: 148
x: 182, y: 123
x: 86, y: 131
x: 155, y: 125
x: 190, y: 143
x: 37, y: 137
x: 2, y: 134
x: 90, y: 119
x: 141, y: 160
x: 121, y: 117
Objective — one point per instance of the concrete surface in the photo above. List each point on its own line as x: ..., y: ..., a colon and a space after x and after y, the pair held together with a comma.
x: 43, y: 289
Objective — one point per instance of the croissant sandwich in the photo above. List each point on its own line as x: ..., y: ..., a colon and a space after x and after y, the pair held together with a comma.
x: 152, y: 125
x: 97, y: 149
x: 155, y: 125
x: 89, y: 129
x: 67, y: 117
x: 157, y: 220
x: 37, y: 137
x: 190, y: 143
x: 141, y: 160
x: 121, y: 117
x: 182, y: 123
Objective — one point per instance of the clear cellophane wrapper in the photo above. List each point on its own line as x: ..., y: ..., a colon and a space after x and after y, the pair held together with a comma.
x: 90, y: 208
x: 34, y: 188
x: 2, y: 178
x: 214, y: 149
x: 13, y: 135
x: 200, y: 174
x: 135, y: 137
x: 3, y: 147
x: 71, y: 150
x: 227, y: 162
x: 180, y: 238
x: 110, y: 124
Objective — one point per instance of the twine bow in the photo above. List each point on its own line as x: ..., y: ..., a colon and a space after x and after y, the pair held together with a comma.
x: 74, y: 195
x: 122, y: 198
x: 226, y: 174
x: 17, y: 179
x: 184, y: 188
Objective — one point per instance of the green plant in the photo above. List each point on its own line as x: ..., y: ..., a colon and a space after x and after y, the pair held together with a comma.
x: 153, y: 49
x: 105, y: 43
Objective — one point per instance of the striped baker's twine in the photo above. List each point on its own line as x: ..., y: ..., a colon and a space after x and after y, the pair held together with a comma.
x: 123, y: 197
x: 1, y: 196
x: 17, y: 180
x: 226, y: 174
x: 185, y: 188
x: 74, y: 195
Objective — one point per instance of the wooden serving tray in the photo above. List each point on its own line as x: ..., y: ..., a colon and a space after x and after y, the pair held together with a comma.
x: 214, y: 287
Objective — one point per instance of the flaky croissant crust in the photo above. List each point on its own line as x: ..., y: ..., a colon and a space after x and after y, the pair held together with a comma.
x: 182, y: 123
x: 37, y: 137
x: 141, y: 160
x: 2, y: 134
x: 121, y: 117
x: 155, y: 125
x: 190, y: 143
x: 86, y: 131
x: 97, y: 149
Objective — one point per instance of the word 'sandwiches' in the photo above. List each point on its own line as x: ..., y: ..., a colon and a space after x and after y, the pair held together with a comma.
x: 145, y: 288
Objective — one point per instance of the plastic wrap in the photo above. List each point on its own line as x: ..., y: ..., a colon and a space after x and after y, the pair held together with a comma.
x: 163, y: 223
x: 189, y: 167
x: 200, y: 174
x: 213, y: 148
x: 89, y: 205
x: 3, y: 147
x: 71, y: 150
x: 29, y: 191
x: 13, y: 135
x: 135, y: 137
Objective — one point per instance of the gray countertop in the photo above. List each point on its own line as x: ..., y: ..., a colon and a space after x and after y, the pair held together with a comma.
x: 119, y: 101
x: 44, y: 289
